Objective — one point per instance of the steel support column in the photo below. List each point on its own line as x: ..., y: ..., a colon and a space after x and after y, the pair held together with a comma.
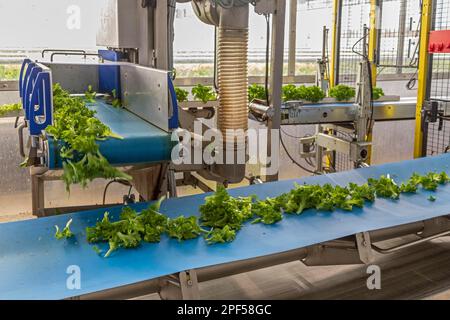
x: 276, y: 77
x: 423, y: 83
x: 292, y: 37
x: 335, y: 43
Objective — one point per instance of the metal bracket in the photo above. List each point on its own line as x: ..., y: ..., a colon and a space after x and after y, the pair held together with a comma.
x: 265, y: 7
x: 430, y: 111
x: 364, y: 246
x: 148, y: 4
x: 21, y: 144
x: 358, y: 151
x: 183, y: 285
x: 349, y: 250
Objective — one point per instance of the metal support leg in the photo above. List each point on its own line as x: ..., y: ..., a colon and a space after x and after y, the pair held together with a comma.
x: 172, y: 183
x: 183, y: 285
x: 37, y: 195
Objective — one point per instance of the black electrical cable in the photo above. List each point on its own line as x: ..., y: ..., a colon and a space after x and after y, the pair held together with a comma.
x: 292, y: 159
x: 123, y: 182
x: 369, y: 125
x: 412, y: 82
x: 289, y: 135
x: 356, y: 43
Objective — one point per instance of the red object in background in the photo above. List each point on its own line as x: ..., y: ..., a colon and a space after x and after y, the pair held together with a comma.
x: 439, y: 41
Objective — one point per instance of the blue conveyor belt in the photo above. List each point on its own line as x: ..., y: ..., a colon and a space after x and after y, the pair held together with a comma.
x: 142, y: 142
x: 33, y: 264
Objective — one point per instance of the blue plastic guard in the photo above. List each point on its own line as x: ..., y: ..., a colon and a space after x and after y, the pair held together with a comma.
x: 142, y: 142
x: 33, y: 264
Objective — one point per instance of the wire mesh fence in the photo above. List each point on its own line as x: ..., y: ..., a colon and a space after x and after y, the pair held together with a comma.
x: 397, y: 45
x: 399, y: 36
x: 354, y: 15
x: 437, y: 137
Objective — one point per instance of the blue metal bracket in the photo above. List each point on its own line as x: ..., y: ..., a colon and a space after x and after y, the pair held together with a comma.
x: 34, y: 70
x: 109, y: 75
x: 23, y: 69
x: 173, y: 121
x: 41, y: 103
x: 35, y: 86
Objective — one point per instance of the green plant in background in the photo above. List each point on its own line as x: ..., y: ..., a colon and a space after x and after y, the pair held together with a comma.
x: 377, y: 93
x: 77, y: 129
x: 342, y: 92
x: 203, y: 93
x: 256, y: 91
x: 182, y: 95
x: 312, y: 93
x: 7, y: 108
x: 290, y: 93
x: 9, y: 72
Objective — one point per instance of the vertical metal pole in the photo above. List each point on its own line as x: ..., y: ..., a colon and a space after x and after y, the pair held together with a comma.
x: 334, y: 67
x: 292, y: 37
x: 375, y: 21
x: 161, y: 31
x: 401, y: 35
x: 423, y: 79
x: 320, y: 152
x: 276, y: 77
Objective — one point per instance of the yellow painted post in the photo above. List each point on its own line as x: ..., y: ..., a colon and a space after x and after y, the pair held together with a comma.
x: 373, y: 38
x: 334, y: 55
x: 373, y: 42
x: 334, y: 42
x: 422, y: 74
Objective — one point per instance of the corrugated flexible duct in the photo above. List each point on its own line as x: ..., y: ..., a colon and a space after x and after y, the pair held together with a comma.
x: 232, y: 67
x: 233, y: 78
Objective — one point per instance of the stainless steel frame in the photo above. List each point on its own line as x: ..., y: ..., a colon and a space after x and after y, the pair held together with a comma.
x: 295, y: 113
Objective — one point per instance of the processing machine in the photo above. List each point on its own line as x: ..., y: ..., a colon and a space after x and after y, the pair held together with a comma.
x: 147, y: 121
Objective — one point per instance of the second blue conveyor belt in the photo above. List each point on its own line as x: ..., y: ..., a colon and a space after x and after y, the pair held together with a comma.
x: 141, y: 141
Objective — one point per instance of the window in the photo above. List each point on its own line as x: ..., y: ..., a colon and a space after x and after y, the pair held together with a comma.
x: 28, y: 26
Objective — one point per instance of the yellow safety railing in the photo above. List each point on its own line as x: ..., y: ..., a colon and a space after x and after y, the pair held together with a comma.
x: 422, y: 74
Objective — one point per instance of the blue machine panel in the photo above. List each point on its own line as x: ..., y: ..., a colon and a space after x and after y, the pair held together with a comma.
x: 109, y: 75
x: 35, y: 89
x: 33, y: 263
